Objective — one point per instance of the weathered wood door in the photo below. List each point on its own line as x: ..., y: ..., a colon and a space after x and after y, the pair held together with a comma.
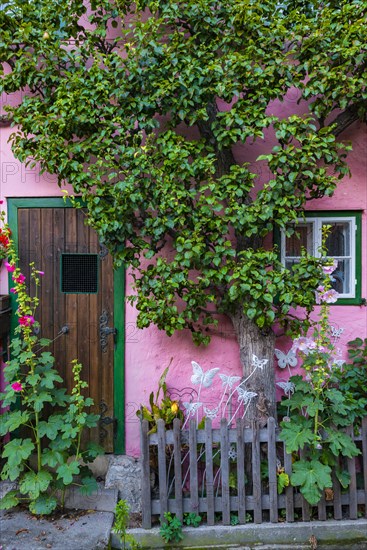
x: 76, y: 307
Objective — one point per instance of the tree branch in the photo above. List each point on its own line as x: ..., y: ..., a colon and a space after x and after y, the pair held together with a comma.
x: 346, y: 118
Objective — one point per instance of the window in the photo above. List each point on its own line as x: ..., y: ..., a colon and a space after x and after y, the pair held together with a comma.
x: 79, y: 273
x: 343, y: 244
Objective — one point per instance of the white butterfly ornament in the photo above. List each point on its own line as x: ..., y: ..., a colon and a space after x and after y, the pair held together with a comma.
x: 258, y: 363
x: 287, y: 387
x: 229, y: 380
x: 191, y: 408
x: 245, y: 396
x: 286, y: 359
x: 203, y: 378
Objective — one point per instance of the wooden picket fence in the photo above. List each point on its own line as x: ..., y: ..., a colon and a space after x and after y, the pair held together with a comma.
x: 195, y: 470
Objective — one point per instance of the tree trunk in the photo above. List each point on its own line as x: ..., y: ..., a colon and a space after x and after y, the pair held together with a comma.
x: 254, y: 341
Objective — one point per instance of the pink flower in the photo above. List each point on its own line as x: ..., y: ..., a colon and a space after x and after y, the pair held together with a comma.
x: 40, y: 273
x: 303, y: 344
x: 330, y: 296
x: 20, y: 279
x: 329, y: 269
x: 17, y: 386
x: 26, y: 320
x: 9, y: 267
x: 13, y: 290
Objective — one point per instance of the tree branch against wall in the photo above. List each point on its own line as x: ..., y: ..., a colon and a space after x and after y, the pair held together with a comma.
x: 125, y: 106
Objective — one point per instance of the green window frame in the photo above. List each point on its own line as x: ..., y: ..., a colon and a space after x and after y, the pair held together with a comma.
x: 348, y: 276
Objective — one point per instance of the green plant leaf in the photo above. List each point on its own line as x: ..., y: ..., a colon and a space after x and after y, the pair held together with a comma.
x: 282, y: 481
x: 66, y: 472
x: 341, y: 444
x: 8, y: 501
x: 17, y: 450
x: 52, y: 458
x: 35, y: 483
x: 43, y: 505
x: 297, y: 434
x: 89, y: 486
x: 12, y: 420
x: 51, y: 427
x: 312, y: 477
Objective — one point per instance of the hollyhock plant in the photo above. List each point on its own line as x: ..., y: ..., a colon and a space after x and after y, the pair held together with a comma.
x: 318, y: 411
x: 329, y: 269
x: 9, y: 267
x: 26, y: 320
x: 19, y: 279
x: 34, y: 400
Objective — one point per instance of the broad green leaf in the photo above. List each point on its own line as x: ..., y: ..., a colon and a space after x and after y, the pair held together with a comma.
x: 89, y: 486
x: 296, y: 436
x: 51, y: 427
x: 43, y: 505
x: 282, y: 481
x: 312, y: 477
x: 52, y: 458
x: 34, y: 483
x: 12, y: 420
x: 341, y: 444
x: 8, y: 501
x: 17, y: 450
x: 66, y: 472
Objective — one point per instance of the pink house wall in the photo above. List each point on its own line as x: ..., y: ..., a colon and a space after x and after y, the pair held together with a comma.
x: 149, y: 351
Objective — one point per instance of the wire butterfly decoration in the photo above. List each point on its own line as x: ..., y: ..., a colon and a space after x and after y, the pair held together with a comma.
x: 288, y: 359
x: 230, y: 385
x: 336, y: 332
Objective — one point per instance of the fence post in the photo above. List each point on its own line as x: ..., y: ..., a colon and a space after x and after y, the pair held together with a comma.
x: 209, y: 471
x: 256, y: 474
x: 224, y: 450
x: 272, y: 468
x: 241, y: 490
x: 306, y: 515
x: 177, y: 467
x: 162, y: 472
x: 353, y: 503
x: 289, y: 493
x: 145, y: 479
x: 364, y: 458
x: 194, y: 494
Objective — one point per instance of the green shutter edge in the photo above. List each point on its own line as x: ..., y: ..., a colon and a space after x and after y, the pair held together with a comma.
x: 357, y: 214
x: 119, y: 310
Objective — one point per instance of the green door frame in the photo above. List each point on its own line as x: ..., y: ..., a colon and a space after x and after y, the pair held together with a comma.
x: 119, y: 312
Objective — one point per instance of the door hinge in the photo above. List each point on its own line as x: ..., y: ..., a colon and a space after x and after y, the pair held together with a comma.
x: 105, y: 331
x: 106, y: 421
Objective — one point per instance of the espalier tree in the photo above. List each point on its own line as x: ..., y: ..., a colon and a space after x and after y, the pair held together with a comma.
x: 125, y: 102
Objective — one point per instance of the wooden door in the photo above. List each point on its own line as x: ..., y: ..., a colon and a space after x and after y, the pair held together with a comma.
x: 76, y: 302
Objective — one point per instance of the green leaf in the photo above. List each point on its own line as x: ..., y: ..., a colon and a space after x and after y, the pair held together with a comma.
x: 17, y: 450
x: 51, y: 427
x: 12, y: 420
x: 66, y: 472
x: 92, y: 451
x: 312, y: 477
x: 34, y: 483
x: 52, y: 458
x: 43, y: 505
x: 89, y: 486
x: 296, y: 435
x: 282, y: 481
x: 8, y: 501
x: 341, y: 444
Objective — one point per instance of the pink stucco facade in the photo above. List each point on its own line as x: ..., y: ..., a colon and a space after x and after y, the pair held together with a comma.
x: 149, y: 351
